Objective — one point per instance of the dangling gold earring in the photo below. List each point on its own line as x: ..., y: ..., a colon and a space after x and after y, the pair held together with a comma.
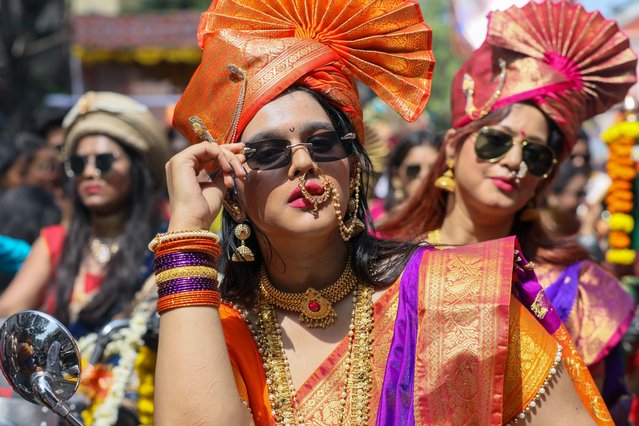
x: 530, y: 213
x: 446, y: 182
x: 353, y: 222
x: 243, y: 253
x: 398, y: 192
x: 242, y: 231
x: 352, y: 226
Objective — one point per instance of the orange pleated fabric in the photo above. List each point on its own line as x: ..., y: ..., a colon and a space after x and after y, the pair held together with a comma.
x: 254, y: 50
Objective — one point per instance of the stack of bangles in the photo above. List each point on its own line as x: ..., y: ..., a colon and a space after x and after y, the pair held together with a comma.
x: 185, y: 269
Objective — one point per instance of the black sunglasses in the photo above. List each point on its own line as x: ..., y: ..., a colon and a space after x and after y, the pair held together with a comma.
x: 413, y: 170
x: 273, y: 154
x: 76, y: 164
x: 492, y: 144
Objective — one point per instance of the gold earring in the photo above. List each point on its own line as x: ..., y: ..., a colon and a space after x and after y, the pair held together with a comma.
x: 242, y: 231
x: 446, y: 182
x: 398, y: 192
x: 233, y: 208
x: 352, y: 226
x: 353, y: 222
x: 530, y: 213
x: 243, y: 253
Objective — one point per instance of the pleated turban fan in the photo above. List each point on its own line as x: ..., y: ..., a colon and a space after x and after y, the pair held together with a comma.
x: 254, y: 50
x: 571, y: 63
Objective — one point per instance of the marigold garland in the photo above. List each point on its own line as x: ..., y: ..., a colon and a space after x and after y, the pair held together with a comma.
x: 621, y: 139
x: 145, y: 369
x: 104, y: 384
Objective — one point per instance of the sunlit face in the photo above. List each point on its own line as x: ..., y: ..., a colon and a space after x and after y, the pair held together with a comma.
x: 489, y: 188
x: 103, y: 192
x: 415, y: 167
x: 272, y: 197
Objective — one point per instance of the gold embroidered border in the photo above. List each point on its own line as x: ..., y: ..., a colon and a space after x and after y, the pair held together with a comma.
x: 463, y: 334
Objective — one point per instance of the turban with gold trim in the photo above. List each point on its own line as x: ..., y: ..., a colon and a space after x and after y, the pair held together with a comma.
x: 571, y: 63
x: 254, y: 50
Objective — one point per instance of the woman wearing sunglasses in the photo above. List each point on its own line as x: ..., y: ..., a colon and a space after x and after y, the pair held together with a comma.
x: 517, y: 106
x: 321, y: 322
x: 408, y: 164
x: 88, y: 271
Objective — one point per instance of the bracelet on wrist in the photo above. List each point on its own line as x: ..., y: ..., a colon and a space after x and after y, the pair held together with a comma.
x: 182, y: 235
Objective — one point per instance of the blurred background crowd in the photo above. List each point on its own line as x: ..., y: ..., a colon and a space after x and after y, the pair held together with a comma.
x: 52, y: 52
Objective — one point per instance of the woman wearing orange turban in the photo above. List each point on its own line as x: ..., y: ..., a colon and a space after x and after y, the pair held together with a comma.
x: 322, y: 323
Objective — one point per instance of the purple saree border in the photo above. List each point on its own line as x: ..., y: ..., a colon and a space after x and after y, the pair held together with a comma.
x: 397, y: 397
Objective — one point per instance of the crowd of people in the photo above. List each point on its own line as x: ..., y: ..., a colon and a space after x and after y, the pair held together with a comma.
x: 465, y: 285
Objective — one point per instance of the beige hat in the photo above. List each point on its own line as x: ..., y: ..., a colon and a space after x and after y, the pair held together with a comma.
x: 123, y: 119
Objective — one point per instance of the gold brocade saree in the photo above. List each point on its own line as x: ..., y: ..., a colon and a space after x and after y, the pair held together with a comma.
x: 601, y: 309
x: 480, y: 355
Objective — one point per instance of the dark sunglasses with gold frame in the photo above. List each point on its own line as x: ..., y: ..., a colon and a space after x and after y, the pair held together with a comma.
x: 493, y: 144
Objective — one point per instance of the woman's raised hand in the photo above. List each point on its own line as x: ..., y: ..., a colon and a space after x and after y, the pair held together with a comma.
x: 198, y: 178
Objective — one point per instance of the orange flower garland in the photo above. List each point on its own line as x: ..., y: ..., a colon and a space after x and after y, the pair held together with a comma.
x: 621, y: 167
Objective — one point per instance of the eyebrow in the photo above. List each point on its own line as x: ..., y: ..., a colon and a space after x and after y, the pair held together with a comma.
x: 536, y: 139
x: 282, y: 134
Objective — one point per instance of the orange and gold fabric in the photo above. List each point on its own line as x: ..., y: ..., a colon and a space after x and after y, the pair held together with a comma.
x: 462, y: 338
x: 531, y: 355
x: 490, y: 371
x: 254, y: 50
x: 247, y: 365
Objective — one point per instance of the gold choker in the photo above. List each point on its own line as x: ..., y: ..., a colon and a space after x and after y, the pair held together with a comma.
x: 314, y: 306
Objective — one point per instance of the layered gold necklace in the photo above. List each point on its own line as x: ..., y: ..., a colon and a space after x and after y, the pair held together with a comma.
x: 358, y: 383
x: 315, y: 307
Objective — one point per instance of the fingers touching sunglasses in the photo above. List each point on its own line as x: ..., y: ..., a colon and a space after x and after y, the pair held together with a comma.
x: 273, y: 154
x: 102, y: 163
x: 491, y: 145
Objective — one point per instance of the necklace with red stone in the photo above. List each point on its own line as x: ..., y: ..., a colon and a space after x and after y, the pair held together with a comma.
x: 357, y: 385
x: 315, y: 307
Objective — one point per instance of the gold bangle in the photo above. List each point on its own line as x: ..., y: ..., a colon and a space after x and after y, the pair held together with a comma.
x: 181, y: 235
x: 186, y: 299
x: 186, y: 272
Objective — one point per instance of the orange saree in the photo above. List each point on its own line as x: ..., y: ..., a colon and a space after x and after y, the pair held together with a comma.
x: 479, y: 353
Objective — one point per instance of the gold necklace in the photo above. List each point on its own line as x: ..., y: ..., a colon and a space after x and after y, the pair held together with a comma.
x: 434, y: 237
x: 103, y: 250
x: 358, y: 382
x: 315, y: 307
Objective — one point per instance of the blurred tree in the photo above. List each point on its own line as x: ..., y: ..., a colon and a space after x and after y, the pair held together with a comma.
x: 34, y: 58
x: 173, y: 4
x: 437, y: 15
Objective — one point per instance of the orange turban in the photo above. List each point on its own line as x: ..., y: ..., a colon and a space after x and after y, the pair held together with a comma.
x: 254, y: 50
x: 571, y: 63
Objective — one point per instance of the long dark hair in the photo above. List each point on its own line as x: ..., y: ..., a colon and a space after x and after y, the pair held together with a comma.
x: 377, y: 262
x: 122, y: 276
x: 426, y: 209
